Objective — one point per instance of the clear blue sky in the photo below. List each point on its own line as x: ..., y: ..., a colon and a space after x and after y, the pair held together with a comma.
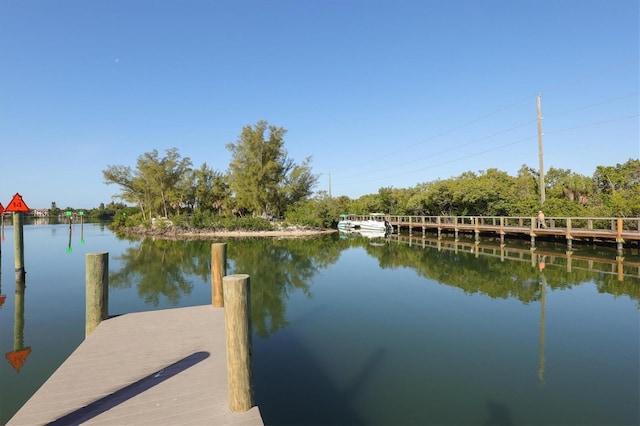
x: 379, y: 93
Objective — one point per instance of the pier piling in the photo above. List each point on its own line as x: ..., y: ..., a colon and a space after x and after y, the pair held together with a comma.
x: 218, y: 271
x: 237, y: 319
x: 18, y: 241
x: 97, y: 288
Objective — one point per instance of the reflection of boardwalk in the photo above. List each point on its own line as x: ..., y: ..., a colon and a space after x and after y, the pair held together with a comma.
x: 620, y: 267
x: 160, y: 367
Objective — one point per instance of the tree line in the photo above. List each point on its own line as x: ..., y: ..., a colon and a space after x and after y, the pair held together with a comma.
x: 612, y: 191
x: 262, y: 181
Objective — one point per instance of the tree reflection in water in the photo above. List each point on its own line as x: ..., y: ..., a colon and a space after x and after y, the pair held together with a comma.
x: 278, y: 267
x: 170, y: 268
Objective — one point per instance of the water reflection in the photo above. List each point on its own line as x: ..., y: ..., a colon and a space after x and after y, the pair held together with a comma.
x: 19, y: 355
x: 169, y: 268
x: 543, y: 311
x: 160, y: 267
x: 441, y: 328
x: 505, y: 271
x: 3, y: 297
x: 69, y: 249
x: 499, y: 414
x: 278, y: 268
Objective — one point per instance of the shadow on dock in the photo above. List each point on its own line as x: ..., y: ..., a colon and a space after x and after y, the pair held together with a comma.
x: 118, y: 397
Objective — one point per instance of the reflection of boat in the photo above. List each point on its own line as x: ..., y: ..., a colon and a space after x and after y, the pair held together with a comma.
x: 346, y: 222
x: 371, y: 234
x: 376, y: 222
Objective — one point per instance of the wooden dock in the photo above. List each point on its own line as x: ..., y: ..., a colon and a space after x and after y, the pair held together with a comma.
x: 615, y: 230
x: 165, y: 367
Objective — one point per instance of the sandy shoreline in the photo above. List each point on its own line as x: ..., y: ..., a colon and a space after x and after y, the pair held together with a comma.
x: 290, y: 232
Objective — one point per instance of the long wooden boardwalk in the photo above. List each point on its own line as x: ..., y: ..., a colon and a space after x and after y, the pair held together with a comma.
x: 615, y: 230
x: 164, y: 367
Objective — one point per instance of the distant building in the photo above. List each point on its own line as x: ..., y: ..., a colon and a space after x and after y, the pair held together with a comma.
x: 40, y: 212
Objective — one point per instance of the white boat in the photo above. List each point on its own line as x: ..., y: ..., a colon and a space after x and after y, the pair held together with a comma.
x: 376, y: 222
x: 346, y: 223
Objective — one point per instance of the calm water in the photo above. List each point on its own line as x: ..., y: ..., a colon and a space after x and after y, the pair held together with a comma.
x: 360, y: 332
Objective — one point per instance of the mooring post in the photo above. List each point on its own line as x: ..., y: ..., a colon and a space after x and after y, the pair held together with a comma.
x: 237, y: 320
x: 97, y: 288
x: 476, y: 228
x: 455, y: 228
x: 619, y: 239
x: 569, y: 236
x: 532, y: 232
x: 218, y: 271
x: 18, y: 242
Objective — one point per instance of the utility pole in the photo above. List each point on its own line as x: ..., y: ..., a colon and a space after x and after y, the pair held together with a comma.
x: 329, y: 185
x: 540, y: 152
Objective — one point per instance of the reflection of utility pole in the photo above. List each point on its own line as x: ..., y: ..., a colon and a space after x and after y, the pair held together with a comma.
x: 543, y: 301
x: 540, y: 154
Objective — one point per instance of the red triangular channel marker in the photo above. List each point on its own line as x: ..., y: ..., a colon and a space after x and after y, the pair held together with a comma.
x: 17, y: 205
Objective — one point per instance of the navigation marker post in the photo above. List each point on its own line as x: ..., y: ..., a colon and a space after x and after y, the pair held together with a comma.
x: 17, y: 206
x: 81, y: 214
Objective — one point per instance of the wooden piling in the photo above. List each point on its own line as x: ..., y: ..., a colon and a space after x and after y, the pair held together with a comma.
x: 476, y: 228
x: 18, y: 242
x: 569, y: 237
x: 97, y: 290
x: 619, y: 239
x: 218, y: 271
x: 455, y: 228
x: 237, y: 319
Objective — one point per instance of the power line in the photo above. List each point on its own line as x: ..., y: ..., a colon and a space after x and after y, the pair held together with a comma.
x: 455, y: 148
x: 478, y: 140
x: 569, y: 83
x: 594, y: 124
x: 476, y: 154
x: 406, y: 147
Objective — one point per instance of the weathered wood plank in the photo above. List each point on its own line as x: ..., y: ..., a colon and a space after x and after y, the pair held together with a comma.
x: 159, y: 367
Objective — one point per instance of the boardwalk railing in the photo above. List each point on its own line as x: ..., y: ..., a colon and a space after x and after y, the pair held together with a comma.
x: 617, y: 230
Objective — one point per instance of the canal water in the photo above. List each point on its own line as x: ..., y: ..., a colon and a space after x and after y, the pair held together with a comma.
x: 357, y: 331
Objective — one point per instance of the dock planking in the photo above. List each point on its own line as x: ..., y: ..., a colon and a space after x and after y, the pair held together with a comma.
x: 157, y: 368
